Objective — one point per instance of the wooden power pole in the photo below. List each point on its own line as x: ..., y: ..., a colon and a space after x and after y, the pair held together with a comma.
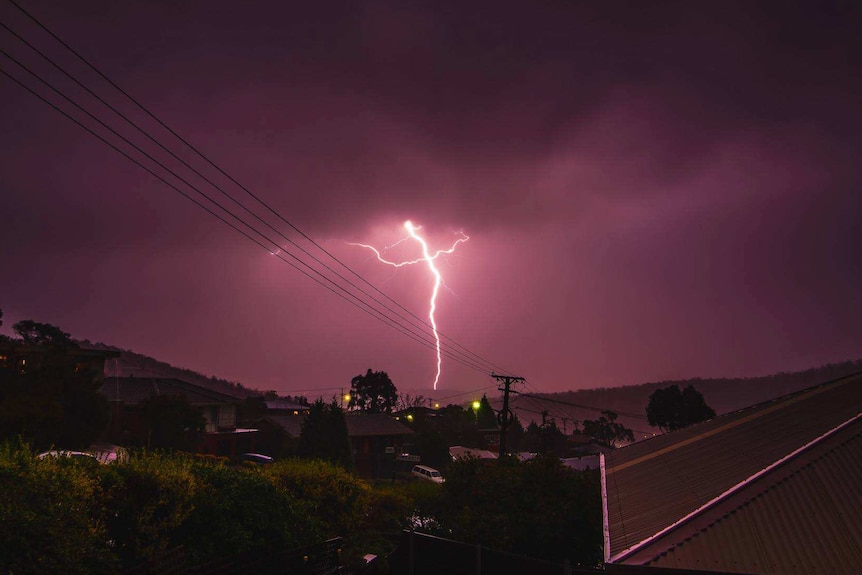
x: 505, y: 417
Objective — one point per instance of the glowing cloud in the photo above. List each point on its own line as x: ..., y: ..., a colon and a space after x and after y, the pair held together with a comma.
x: 438, y: 278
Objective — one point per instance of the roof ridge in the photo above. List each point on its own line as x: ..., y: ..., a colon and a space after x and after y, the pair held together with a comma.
x: 756, y: 411
x: 733, y: 489
x: 772, y: 486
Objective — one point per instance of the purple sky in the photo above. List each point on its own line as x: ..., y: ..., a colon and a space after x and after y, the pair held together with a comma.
x: 651, y: 191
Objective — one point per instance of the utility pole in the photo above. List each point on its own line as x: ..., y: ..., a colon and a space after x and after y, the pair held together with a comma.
x: 504, y: 418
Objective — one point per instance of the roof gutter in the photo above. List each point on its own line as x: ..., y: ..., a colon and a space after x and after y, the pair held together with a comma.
x: 606, y: 533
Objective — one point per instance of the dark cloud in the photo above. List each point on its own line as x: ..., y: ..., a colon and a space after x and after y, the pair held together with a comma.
x: 651, y: 191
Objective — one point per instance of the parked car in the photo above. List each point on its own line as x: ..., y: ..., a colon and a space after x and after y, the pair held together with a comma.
x: 257, y: 458
x: 80, y: 455
x: 427, y: 473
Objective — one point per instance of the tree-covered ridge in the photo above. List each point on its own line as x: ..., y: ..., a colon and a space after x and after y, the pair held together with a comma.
x: 722, y: 394
x: 135, y: 364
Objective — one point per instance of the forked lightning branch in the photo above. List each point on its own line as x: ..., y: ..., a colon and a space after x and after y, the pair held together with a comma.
x: 428, y: 258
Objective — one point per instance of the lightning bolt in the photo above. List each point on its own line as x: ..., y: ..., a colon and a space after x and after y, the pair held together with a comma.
x: 438, y: 278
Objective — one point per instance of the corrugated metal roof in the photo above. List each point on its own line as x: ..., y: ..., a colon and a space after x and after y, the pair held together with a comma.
x: 133, y: 390
x: 284, y: 405
x: 797, y: 521
x: 358, y: 425
x: 653, y: 484
x: 368, y: 424
x: 292, y: 424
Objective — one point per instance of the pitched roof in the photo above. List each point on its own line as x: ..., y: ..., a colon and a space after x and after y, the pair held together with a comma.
x: 368, y: 424
x: 764, y: 489
x: 133, y: 390
x: 461, y: 452
x: 358, y: 425
x: 284, y: 405
x: 292, y: 424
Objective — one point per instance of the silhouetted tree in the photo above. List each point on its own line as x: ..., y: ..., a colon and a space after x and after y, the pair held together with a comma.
x: 373, y: 392
x: 514, y: 435
x: 486, y: 418
x: 606, y: 431
x: 457, y: 426
x: 46, y: 397
x: 172, y: 422
x: 34, y: 332
x: 431, y: 447
x: 251, y: 409
x: 407, y: 401
x: 324, y: 434
x: 670, y: 409
x: 2, y: 337
x: 546, y: 439
x: 539, y: 508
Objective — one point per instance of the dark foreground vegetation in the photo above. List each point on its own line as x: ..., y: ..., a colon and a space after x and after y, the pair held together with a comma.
x: 73, y: 516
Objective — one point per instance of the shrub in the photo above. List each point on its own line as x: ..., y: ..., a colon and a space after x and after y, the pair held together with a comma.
x: 238, y: 510
x: 146, y: 500
x: 49, y: 519
x: 538, y: 508
x: 337, y: 497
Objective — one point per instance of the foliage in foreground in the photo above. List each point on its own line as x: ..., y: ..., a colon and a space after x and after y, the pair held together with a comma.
x: 50, y: 521
x: 105, y: 518
x: 62, y: 515
x: 539, y: 508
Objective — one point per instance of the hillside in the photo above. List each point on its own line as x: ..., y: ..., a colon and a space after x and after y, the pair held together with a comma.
x: 722, y: 394
x: 138, y: 365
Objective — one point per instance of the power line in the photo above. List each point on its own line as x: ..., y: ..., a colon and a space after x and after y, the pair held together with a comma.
x: 453, y: 354
x: 218, y: 216
x: 581, y: 405
x: 464, y: 393
x: 451, y: 342
x: 531, y: 387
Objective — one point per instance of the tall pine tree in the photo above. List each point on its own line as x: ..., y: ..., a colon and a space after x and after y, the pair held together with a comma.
x: 324, y: 435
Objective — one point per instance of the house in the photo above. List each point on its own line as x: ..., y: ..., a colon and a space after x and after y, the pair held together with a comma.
x: 285, y: 407
x: 582, y: 445
x: 582, y: 463
x: 773, y: 488
x: 26, y: 355
x: 221, y: 434
x: 377, y: 439
x: 460, y: 452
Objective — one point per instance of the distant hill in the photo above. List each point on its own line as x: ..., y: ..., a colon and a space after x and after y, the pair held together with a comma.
x: 722, y: 394
x: 630, y: 401
x: 131, y: 364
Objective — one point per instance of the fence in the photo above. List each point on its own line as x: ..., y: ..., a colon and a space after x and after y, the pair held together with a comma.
x: 420, y: 554
x: 319, y: 559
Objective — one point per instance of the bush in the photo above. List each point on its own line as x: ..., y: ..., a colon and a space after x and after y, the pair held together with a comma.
x: 538, y: 508
x: 238, y: 510
x: 337, y: 497
x: 49, y: 515
x: 64, y: 515
x: 146, y: 500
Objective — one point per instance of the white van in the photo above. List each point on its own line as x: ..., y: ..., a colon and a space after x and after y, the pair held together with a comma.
x: 429, y: 473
